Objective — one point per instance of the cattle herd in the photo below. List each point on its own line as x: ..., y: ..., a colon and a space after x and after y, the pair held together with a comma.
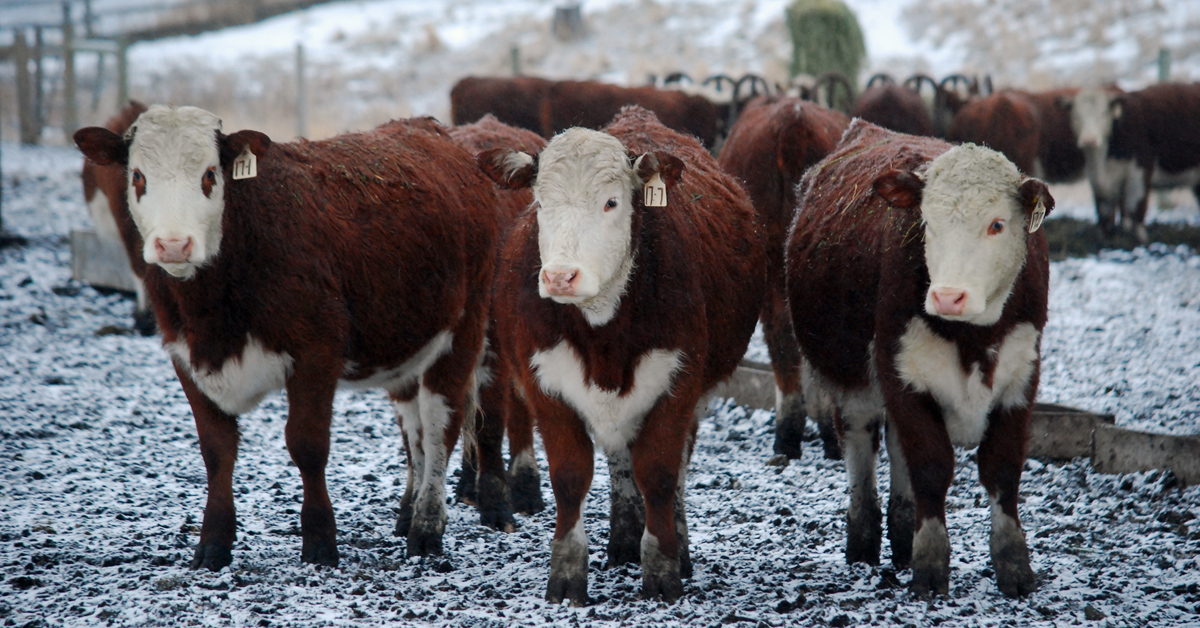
x: 572, y: 254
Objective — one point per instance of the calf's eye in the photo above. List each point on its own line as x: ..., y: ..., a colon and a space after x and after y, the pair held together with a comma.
x: 611, y: 204
x: 996, y: 227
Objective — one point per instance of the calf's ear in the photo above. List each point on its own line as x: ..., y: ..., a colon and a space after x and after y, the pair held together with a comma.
x: 102, y: 147
x: 232, y: 145
x: 900, y: 188
x: 510, y: 169
x: 1036, y: 202
x: 667, y: 166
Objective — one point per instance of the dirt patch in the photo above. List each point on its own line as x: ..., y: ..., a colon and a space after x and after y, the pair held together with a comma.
x: 1072, y: 237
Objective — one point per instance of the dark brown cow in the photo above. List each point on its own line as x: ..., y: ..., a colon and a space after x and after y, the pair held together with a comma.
x: 917, y: 280
x: 352, y: 260
x: 1059, y: 158
x: 894, y: 107
x: 1137, y: 141
x: 104, y: 193
x: 774, y: 142
x: 483, y: 479
x: 592, y: 105
x: 520, y: 101
x: 618, y: 319
x: 1006, y: 121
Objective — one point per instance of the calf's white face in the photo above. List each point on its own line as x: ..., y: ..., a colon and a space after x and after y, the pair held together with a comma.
x: 976, y: 210
x: 1092, y: 114
x: 176, y: 187
x: 584, y: 193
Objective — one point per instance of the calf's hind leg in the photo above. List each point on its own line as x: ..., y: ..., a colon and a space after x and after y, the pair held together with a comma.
x: 218, y: 435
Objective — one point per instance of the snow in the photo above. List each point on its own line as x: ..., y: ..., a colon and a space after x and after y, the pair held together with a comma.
x: 103, y: 487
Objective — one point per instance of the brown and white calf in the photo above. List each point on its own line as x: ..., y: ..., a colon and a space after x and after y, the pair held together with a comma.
x: 917, y: 280
x: 1134, y: 142
x: 775, y: 141
x: 351, y: 261
x: 617, y: 318
x: 484, y: 480
x: 104, y: 193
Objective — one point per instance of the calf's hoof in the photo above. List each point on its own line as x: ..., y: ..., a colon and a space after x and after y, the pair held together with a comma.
x: 930, y: 582
x: 322, y: 552
x: 573, y: 588
x: 424, y: 544
x: 789, y: 438
x: 1014, y: 577
x: 525, y: 491
x: 403, y: 521
x: 144, y: 323
x: 212, y: 556
x: 667, y: 586
x: 494, y: 510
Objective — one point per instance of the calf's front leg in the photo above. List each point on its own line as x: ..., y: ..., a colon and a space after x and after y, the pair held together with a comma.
x: 570, y: 456
x: 1001, y: 458
x: 310, y: 410
x: 218, y: 435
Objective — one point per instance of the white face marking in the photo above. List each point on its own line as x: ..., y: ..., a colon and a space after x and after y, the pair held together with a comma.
x: 242, y: 381
x: 614, y: 419
x: 1092, y: 115
x: 929, y: 363
x: 584, y: 196
x: 172, y: 150
x: 974, y: 234
x: 396, y: 379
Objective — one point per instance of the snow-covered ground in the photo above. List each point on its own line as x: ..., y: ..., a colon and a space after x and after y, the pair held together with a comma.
x: 102, y: 485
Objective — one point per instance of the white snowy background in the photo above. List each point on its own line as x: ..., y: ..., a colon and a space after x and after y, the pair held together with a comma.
x: 102, y: 485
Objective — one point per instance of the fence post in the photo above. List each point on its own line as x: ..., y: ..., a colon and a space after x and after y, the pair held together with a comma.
x: 122, y: 72
x: 28, y: 119
x: 515, y: 54
x: 39, y: 76
x: 301, y: 94
x: 70, y: 106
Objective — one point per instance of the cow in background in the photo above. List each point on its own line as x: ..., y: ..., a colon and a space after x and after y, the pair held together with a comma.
x: 104, y: 193
x: 917, y: 280
x: 622, y: 301
x: 1135, y: 141
x: 349, y: 261
x: 520, y: 101
x: 775, y: 141
x: 1006, y: 121
x: 895, y: 107
x: 483, y: 480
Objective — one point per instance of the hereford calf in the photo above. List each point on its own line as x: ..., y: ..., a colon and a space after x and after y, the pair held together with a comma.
x: 104, y: 193
x: 917, y: 280
x: 616, y: 318
x: 1006, y: 121
x: 352, y: 260
x: 483, y: 478
x: 1134, y: 142
x: 894, y: 107
x: 775, y: 141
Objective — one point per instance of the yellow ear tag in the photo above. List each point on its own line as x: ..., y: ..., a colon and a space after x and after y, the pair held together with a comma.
x: 1039, y: 214
x: 654, y: 194
x: 246, y: 165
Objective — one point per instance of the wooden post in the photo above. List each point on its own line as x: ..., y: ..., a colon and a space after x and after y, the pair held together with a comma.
x: 515, y: 53
x: 28, y: 119
x: 39, y: 96
x: 122, y: 72
x: 1164, y: 65
x: 70, y: 106
x: 301, y: 94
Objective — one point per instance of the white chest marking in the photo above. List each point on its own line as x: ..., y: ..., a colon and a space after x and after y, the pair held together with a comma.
x: 930, y: 363
x: 242, y: 381
x: 614, y: 419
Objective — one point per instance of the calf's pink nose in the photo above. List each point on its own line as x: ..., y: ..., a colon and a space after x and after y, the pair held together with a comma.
x: 949, y: 302
x: 173, y: 250
x: 560, y: 283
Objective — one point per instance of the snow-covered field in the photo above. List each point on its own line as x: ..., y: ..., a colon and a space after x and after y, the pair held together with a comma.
x: 102, y: 485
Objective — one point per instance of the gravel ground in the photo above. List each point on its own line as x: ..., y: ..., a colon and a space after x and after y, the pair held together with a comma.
x: 102, y: 485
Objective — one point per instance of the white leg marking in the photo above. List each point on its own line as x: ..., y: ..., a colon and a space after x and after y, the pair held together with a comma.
x: 931, y: 545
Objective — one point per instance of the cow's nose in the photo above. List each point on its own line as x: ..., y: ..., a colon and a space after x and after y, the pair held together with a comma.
x: 560, y: 282
x: 173, y: 250
x: 949, y: 302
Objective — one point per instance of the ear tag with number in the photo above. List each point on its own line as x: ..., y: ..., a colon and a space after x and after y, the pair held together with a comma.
x: 1039, y: 214
x: 654, y: 194
x: 246, y: 165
